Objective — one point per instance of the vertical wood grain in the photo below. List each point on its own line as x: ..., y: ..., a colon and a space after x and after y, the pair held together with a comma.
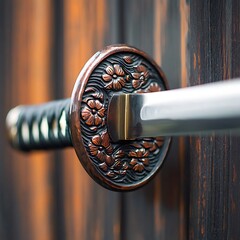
x: 49, y: 195
x: 26, y: 198
x: 214, y: 160
x: 6, y: 215
x: 159, y: 210
x: 89, y: 211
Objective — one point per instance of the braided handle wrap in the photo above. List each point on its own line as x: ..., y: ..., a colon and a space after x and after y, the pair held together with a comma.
x: 42, y: 126
x: 83, y: 121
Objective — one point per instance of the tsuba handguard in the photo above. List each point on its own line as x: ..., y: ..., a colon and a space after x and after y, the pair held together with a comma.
x: 83, y: 121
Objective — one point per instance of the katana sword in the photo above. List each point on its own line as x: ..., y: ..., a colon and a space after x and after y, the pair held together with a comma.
x: 120, y: 117
x: 193, y: 110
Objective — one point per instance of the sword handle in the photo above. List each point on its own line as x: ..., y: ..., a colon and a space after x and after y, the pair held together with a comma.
x: 83, y: 121
x: 42, y: 126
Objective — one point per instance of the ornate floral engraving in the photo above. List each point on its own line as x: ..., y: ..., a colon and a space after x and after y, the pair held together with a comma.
x: 101, y: 148
x: 115, y: 76
x: 140, y: 76
x: 93, y: 113
x: 122, y: 162
x: 150, y: 144
x: 128, y: 59
x: 153, y: 87
x: 139, y: 159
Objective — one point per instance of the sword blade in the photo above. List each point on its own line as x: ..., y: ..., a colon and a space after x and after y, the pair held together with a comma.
x: 192, y: 110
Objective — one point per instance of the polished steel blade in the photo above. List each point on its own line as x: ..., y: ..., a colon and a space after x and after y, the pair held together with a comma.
x: 193, y: 110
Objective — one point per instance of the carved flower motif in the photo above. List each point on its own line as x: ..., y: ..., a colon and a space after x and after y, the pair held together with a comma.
x: 152, y: 144
x: 140, y: 77
x: 139, y: 159
x: 101, y: 148
x: 153, y: 87
x: 115, y: 76
x: 93, y: 113
x: 128, y: 59
x: 120, y: 163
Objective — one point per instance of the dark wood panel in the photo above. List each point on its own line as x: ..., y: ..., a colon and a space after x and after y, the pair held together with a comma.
x: 48, y: 195
x: 26, y: 188
x: 159, y: 209
x: 89, y: 211
x: 214, y: 160
x: 6, y: 213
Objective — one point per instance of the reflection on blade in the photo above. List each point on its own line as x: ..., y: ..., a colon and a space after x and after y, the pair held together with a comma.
x: 193, y: 110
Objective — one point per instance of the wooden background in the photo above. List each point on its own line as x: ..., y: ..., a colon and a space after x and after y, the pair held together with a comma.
x: 47, y: 195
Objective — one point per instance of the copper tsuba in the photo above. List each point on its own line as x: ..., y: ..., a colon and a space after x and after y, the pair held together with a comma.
x: 123, y: 165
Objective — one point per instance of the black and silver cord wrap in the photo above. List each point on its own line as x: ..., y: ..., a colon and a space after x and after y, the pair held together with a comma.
x: 83, y: 121
x: 120, y: 117
x: 42, y: 126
